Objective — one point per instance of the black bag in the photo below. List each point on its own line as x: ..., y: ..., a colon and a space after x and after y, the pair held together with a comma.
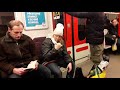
x: 78, y: 73
x: 109, y: 39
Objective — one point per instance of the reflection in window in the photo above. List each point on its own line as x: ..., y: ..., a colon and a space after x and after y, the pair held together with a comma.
x: 61, y: 19
x: 3, y: 30
x: 81, y: 28
x: 5, y: 17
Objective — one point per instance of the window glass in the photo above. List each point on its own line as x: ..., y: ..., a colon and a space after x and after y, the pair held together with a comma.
x: 81, y: 28
x: 5, y: 17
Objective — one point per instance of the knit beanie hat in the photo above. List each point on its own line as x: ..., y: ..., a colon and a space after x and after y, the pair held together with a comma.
x: 59, y: 29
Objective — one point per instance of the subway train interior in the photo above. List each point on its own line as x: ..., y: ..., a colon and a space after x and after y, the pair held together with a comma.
x: 40, y: 24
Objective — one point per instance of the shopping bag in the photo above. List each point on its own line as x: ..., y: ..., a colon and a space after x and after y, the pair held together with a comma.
x: 97, y: 73
x: 101, y: 75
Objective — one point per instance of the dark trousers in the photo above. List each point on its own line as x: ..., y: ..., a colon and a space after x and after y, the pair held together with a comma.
x: 41, y: 72
x: 55, y: 69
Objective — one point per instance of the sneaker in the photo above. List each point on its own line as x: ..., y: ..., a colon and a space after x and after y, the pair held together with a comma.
x: 103, y: 65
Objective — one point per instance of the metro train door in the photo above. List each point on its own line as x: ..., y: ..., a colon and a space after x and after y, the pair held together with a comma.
x: 119, y: 25
x: 74, y: 36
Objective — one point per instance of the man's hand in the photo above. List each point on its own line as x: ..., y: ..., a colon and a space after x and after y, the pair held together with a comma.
x: 113, y: 37
x: 19, y: 71
x: 36, y: 65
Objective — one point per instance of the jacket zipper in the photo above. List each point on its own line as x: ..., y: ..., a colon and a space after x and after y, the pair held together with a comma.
x: 19, y: 50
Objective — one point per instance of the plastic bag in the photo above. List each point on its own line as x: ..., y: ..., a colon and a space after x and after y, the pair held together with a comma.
x: 114, y: 46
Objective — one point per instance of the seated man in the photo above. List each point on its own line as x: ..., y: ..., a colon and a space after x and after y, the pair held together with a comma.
x: 112, y: 32
x: 17, y: 51
x: 55, y: 53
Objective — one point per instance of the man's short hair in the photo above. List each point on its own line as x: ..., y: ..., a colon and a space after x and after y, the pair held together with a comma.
x: 13, y: 23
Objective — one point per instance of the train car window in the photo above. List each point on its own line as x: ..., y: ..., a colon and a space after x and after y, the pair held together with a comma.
x: 61, y: 18
x: 5, y: 17
x: 3, y: 30
x: 112, y: 16
x: 81, y: 28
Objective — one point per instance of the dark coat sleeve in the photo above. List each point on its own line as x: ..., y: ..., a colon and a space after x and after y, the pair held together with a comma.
x: 48, y: 50
x: 7, y: 67
x: 113, y: 30
x: 83, y: 14
x: 50, y: 53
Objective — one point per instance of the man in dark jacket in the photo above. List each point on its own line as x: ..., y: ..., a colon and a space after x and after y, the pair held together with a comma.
x: 113, y: 31
x: 94, y: 33
x: 17, y: 51
x: 55, y: 53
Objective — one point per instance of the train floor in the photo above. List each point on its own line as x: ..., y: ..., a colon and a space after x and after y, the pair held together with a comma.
x: 112, y: 70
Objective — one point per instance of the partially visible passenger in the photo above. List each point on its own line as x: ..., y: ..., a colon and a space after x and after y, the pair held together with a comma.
x: 55, y: 53
x: 113, y: 29
x: 109, y: 40
x: 112, y: 35
x: 17, y: 51
x: 94, y: 33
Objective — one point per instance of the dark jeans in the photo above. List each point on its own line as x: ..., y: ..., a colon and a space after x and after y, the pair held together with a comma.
x: 41, y: 72
x: 55, y: 69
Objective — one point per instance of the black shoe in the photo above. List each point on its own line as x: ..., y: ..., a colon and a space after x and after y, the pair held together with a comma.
x: 106, y: 57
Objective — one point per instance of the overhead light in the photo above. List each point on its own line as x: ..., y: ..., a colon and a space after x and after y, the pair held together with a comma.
x: 111, y: 13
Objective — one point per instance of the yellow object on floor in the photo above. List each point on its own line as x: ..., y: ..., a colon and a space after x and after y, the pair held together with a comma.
x: 101, y: 75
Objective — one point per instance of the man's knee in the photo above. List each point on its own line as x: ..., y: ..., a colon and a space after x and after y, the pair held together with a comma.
x: 43, y: 70
x: 58, y: 73
x: 14, y: 76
